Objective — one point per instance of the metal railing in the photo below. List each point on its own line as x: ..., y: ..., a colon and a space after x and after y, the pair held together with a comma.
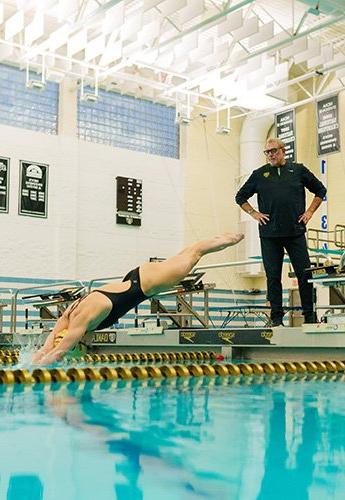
x: 15, y: 292
x: 91, y: 282
x: 318, y: 239
x: 339, y: 235
x: 255, y: 260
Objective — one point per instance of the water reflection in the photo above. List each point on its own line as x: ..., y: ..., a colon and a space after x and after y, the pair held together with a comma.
x: 258, y: 438
x: 289, y: 468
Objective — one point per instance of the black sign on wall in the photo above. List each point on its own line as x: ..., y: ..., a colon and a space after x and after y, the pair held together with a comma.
x: 4, y: 183
x: 328, y: 137
x: 285, y: 126
x: 129, y: 201
x: 33, y: 190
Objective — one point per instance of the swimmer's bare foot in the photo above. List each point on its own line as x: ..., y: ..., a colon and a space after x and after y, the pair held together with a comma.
x: 229, y: 239
x: 220, y: 242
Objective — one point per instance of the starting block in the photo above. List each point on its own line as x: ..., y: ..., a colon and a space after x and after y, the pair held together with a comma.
x: 324, y: 328
x: 148, y: 329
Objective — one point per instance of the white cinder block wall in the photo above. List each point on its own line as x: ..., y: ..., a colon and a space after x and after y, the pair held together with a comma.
x: 80, y: 238
x: 103, y: 246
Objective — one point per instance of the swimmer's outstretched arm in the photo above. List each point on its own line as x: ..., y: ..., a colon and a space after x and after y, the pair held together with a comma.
x: 61, y: 324
x: 76, y: 330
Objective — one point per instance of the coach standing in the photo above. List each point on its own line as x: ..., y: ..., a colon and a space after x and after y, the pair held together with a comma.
x: 282, y: 217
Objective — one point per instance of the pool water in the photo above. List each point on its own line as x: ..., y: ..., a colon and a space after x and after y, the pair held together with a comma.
x: 250, y: 438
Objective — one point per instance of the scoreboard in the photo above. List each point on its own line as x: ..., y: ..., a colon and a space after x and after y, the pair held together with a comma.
x: 128, y: 201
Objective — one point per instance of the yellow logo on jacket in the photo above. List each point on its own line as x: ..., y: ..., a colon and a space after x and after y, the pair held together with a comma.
x: 266, y: 174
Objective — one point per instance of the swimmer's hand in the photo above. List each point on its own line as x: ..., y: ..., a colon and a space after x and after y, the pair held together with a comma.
x: 36, y: 358
x: 49, y: 352
x: 50, y: 358
x: 62, y: 342
x: 53, y: 352
x: 48, y: 346
x: 46, y: 357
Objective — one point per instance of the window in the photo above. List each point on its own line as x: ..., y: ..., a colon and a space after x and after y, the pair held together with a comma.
x: 127, y: 122
x: 24, y: 107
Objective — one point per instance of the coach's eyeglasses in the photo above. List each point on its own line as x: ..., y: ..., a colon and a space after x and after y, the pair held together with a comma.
x: 272, y: 151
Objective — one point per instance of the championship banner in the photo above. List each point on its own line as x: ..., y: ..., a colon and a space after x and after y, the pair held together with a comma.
x: 4, y: 181
x: 328, y: 137
x: 285, y: 127
x: 33, y: 189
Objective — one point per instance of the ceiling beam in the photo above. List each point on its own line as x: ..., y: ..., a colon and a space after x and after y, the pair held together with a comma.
x: 200, y: 26
x: 228, y: 67
x: 96, y: 15
x: 203, y: 24
x: 289, y: 106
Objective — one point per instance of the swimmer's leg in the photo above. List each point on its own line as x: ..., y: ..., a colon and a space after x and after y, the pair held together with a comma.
x: 157, y: 277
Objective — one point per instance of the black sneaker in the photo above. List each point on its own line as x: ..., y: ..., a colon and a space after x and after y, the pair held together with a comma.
x: 276, y: 322
x: 310, y: 318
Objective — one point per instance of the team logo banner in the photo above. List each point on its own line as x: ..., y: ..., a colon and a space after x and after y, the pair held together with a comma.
x: 33, y: 189
x: 328, y: 137
x: 4, y: 183
x: 285, y: 127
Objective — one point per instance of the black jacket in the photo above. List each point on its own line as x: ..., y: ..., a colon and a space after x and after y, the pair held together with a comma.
x: 282, y: 196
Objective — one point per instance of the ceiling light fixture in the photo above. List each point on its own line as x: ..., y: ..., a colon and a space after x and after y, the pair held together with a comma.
x: 183, y: 112
x: 220, y: 129
x: 87, y: 95
x: 32, y: 83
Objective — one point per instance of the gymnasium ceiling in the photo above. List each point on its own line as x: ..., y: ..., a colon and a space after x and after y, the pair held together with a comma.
x: 206, y: 55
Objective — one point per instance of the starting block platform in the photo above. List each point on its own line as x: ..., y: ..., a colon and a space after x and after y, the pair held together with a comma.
x: 257, y: 312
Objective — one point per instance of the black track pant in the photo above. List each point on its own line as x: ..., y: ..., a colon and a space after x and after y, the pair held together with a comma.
x: 272, y: 250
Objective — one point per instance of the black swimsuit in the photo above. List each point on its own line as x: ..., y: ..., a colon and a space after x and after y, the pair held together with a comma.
x: 123, y: 301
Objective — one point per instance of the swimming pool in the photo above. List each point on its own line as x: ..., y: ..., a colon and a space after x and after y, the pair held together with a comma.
x: 216, y: 438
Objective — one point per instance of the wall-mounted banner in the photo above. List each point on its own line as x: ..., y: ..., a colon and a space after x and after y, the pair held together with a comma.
x: 285, y: 127
x: 328, y: 138
x: 323, y: 211
x: 33, y: 191
x: 4, y: 182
